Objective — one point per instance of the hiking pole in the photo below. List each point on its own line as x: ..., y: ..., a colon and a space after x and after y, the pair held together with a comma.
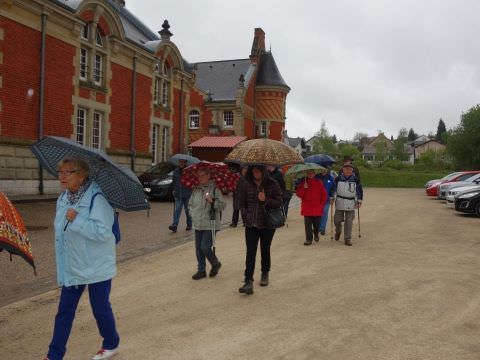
x: 331, y: 221
x: 358, y: 211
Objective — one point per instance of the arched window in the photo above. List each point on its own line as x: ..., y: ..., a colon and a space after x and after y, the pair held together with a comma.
x: 194, y: 119
x: 161, y: 92
x: 92, y: 55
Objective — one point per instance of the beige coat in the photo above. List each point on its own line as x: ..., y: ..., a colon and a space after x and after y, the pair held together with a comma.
x: 200, y: 208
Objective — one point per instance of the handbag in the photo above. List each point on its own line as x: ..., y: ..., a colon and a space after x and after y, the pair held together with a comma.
x: 275, y: 218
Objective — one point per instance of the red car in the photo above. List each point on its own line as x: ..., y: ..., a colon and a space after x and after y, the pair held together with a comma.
x: 432, y: 189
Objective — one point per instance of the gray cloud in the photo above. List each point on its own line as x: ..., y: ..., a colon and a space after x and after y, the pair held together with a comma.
x: 358, y: 65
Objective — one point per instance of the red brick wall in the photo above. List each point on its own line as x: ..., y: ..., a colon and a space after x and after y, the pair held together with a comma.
x: 275, y: 130
x: 249, y: 128
x: 143, y: 113
x: 120, y: 102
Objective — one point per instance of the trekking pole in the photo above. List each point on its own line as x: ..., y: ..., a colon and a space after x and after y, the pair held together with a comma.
x: 358, y: 211
x: 331, y: 221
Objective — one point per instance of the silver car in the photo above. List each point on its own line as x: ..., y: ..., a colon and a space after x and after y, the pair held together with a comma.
x: 462, y: 190
x: 469, y: 179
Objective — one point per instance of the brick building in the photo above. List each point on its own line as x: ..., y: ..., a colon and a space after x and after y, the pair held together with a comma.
x: 91, y: 71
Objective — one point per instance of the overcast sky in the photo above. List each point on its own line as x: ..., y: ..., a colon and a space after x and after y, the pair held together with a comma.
x: 359, y: 65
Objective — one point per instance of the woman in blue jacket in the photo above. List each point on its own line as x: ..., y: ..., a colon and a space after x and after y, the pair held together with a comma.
x: 329, y: 184
x: 85, y: 256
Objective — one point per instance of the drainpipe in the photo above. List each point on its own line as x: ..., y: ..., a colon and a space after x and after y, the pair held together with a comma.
x: 132, y: 114
x: 180, y: 122
x: 41, y: 111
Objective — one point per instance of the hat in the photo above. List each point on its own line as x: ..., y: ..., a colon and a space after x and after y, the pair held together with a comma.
x: 347, y: 165
x: 347, y: 158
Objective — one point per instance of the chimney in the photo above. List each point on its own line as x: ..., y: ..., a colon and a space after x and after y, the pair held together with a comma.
x: 258, y: 45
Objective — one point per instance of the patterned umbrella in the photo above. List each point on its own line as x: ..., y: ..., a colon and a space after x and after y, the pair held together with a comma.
x: 263, y: 152
x: 299, y: 171
x: 189, y: 159
x: 225, y: 179
x: 119, y: 184
x: 320, y: 159
x: 13, y: 235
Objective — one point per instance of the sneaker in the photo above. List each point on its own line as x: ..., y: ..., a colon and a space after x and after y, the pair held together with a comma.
x: 316, y: 238
x: 264, y: 279
x: 348, y: 242
x: 172, y: 228
x: 247, y: 288
x: 306, y: 243
x: 215, y: 268
x: 104, y: 354
x: 199, y: 275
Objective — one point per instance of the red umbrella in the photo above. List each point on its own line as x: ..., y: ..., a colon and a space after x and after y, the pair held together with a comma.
x: 225, y: 179
x: 13, y: 234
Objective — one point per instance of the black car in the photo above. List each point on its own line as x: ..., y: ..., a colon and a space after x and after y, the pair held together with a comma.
x: 468, y: 202
x: 157, y: 181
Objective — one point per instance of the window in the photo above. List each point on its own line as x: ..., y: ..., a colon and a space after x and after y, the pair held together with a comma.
x: 98, y: 38
x: 83, y: 63
x: 85, y: 31
x: 194, y: 119
x: 164, y: 144
x: 155, y: 131
x: 98, y: 69
x: 80, y: 126
x: 96, y: 130
x: 156, y: 92
x: 263, y: 128
x: 165, y: 93
x: 228, y: 118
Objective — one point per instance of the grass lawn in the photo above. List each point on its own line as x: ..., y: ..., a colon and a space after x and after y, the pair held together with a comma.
x: 397, y: 178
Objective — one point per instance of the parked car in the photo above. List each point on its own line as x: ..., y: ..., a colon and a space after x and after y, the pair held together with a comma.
x: 468, y: 203
x: 432, y: 190
x: 472, y: 179
x: 462, y: 190
x: 157, y: 181
x: 446, y: 177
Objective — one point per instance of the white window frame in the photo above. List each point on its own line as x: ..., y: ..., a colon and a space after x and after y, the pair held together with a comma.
x: 85, y: 34
x: 156, y: 91
x: 194, y: 119
x: 97, y: 130
x: 228, y: 119
x: 98, y: 38
x: 263, y: 128
x: 98, y: 69
x: 165, y: 93
x: 83, y: 64
x: 165, y: 133
x: 80, y: 125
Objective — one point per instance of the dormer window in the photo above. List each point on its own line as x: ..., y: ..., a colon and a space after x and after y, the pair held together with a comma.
x: 161, y: 90
x: 228, y: 119
x: 99, y: 39
x: 92, y: 55
x: 85, y: 31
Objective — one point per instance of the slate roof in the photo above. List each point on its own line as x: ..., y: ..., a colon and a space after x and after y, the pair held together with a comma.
x: 221, y: 78
x: 218, y: 141
x: 294, y: 142
x: 269, y: 73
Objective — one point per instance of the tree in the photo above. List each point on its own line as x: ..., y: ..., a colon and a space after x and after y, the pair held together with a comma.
x: 359, y: 136
x: 403, y: 135
x: 350, y: 150
x: 381, y: 150
x: 334, y: 139
x: 441, y: 129
x: 323, y: 142
x: 463, y: 142
x: 411, y: 135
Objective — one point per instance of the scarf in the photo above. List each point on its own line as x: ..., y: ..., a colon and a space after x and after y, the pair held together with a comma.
x: 74, y: 197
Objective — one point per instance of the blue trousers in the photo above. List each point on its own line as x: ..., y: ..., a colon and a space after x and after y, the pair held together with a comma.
x: 324, y: 218
x: 99, y: 294
x: 179, y: 204
x: 203, y: 248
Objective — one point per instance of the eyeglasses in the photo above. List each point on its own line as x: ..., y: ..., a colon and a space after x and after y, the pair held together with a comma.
x: 66, y: 172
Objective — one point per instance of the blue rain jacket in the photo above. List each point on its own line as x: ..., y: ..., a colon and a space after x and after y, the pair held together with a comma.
x: 85, y: 251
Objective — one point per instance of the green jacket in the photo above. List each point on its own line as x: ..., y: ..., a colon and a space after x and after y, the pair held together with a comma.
x: 200, y: 209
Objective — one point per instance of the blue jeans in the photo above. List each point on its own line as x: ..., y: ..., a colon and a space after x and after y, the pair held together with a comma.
x: 203, y: 248
x: 179, y: 203
x: 324, y: 218
x: 99, y: 294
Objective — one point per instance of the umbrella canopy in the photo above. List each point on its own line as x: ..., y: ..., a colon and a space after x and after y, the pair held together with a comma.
x: 13, y: 235
x: 299, y: 171
x: 224, y: 178
x: 264, y: 152
x: 189, y: 159
x: 120, y: 185
x: 320, y: 159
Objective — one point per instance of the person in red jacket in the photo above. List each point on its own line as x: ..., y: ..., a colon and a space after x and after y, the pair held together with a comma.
x: 313, y: 195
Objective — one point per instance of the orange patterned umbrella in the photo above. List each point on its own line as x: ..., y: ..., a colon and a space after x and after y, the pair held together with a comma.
x: 13, y: 235
x: 263, y: 152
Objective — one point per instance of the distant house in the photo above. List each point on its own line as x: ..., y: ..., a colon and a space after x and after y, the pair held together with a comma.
x: 298, y: 143
x: 369, y: 151
x: 310, y: 143
x: 418, y: 148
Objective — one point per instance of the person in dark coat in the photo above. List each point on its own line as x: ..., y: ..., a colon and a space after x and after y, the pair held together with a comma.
x: 286, y: 194
x: 329, y: 184
x: 313, y: 195
x: 236, y: 200
x: 258, y: 192
x: 181, y: 194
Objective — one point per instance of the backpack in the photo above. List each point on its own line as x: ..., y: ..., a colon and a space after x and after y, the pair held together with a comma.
x: 116, y: 223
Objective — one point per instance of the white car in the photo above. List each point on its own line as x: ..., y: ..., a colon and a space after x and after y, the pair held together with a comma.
x: 462, y: 190
x: 443, y: 189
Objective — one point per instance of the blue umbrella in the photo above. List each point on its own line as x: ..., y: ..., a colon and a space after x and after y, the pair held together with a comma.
x: 119, y: 184
x: 189, y: 159
x: 320, y: 159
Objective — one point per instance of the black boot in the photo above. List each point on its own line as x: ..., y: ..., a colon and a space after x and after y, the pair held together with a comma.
x: 264, y: 280
x: 215, y: 267
x: 199, y: 275
x: 247, y: 288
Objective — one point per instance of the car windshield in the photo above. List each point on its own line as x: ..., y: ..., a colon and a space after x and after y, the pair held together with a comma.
x: 449, y: 176
x: 161, y: 168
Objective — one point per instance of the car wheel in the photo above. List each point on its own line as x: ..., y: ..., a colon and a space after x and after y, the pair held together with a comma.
x: 477, y: 209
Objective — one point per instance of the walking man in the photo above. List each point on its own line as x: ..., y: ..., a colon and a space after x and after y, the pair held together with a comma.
x: 181, y: 194
x: 349, y: 196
